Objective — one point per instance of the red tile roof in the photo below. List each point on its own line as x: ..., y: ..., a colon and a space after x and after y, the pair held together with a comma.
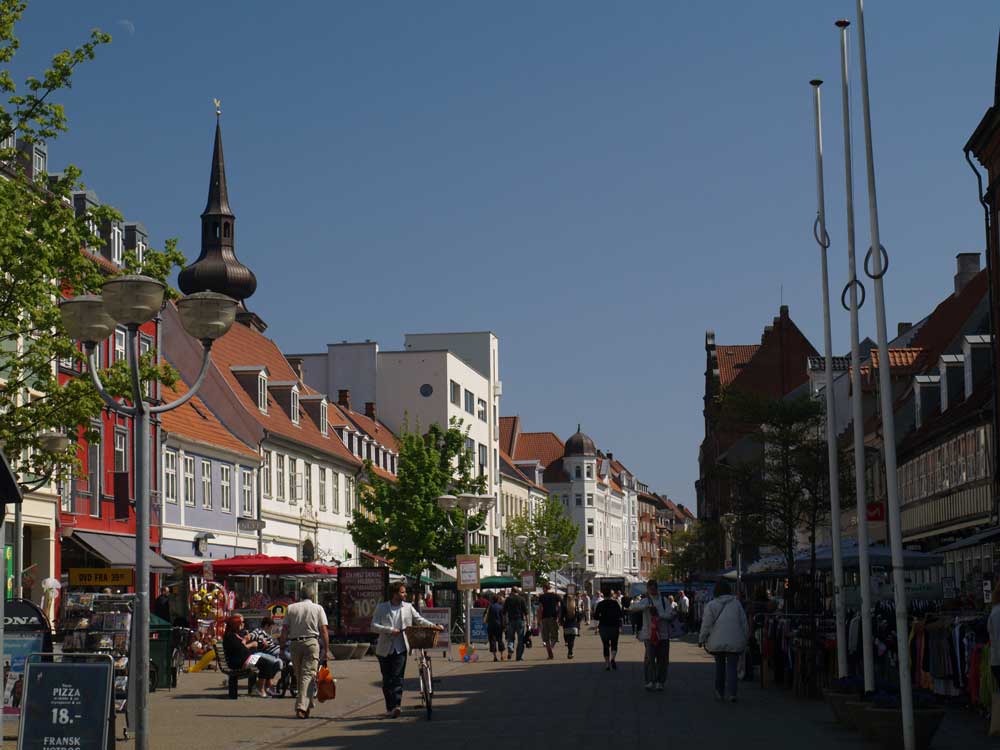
x: 506, y: 462
x: 545, y: 447
x: 944, y: 324
x: 376, y: 430
x: 732, y: 359
x: 900, y: 359
x: 195, y: 421
x: 509, y: 429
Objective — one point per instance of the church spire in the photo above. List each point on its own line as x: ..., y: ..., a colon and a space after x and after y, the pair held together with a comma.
x: 217, y: 268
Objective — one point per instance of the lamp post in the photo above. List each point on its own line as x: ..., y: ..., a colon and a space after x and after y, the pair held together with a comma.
x: 132, y: 300
x: 728, y: 521
x: 470, y: 505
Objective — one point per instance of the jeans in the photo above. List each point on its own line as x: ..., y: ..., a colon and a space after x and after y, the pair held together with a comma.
x: 609, y: 640
x: 725, y: 674
x: 570, y: 639
x: 393, y: 668
x: 268, y: 666
x: 305, y: 662
x: 515, y: 631
x: 657, y: 661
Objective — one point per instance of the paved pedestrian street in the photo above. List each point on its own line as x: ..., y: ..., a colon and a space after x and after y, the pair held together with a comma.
x: 533, y: 704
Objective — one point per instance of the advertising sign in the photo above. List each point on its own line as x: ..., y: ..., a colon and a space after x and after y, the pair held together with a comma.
x: 987, y: 590
x: 477, y: 620
x: 207, y: 571
x: 66, y: 704
x: 114, y: 577
x: 528, y: 582
x: 950, y: 592
x: 884, y: 592
x: 359, y: 591
x: 468, y: 572
x: 440, y: 616
x: 26, y: 632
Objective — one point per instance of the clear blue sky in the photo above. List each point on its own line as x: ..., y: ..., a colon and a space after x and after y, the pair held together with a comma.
x: 596, y: 182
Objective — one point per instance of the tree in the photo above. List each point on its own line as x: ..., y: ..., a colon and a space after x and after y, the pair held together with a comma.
x: 41, y: 241
x: 550, y: 523
x: 400, y: 520
x: 695, y: 550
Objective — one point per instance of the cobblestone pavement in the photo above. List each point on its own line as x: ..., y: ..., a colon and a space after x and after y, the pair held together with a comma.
x: 532, y: 704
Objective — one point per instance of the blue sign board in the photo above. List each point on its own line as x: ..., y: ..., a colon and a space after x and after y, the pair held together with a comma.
x: 478, y: 623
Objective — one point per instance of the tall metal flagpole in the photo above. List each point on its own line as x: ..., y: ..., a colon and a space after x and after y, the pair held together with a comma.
x: 819, y: 232
x: 888, y: 423
x: 851, y: 290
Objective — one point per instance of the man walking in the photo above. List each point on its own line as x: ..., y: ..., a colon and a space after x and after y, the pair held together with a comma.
x: 390, y: 621
x: 585, y: 606
x: 655, y: 633
x: 305, y: 627
x: 548, y: 608
x: 684, y: 606
x: 515, y: 612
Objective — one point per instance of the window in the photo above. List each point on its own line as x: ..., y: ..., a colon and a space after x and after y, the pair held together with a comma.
x: 307, y: 483
x: 189, y: 481
x: 206, y: 484
x: 295, y: 480
x: 324, y: 423
x: 456, y: 393
x: 247, y: 487
x: 590, y: 527
x: 8, y: 141
x: 95, y: 470
x: 470, y: 446
x: 145, y: 347
x: 470, y: 402
x: 279, y: 490
x: 590, y: 471
x: 140, y: 251
x: 579, y: 499
x: 322, y: 488
x: 267, y: 474
x: 481, y: 410
x: 119, y: 344
x: 484, y: 457
x: 336, y: 492
x: 590, y: 556
x: 349, y: 500
x: 295, y: 406
x: 576, y: 472
x: 117, y: 244
x: 169, y: 476
x: 121, y: 450
x: 39, y: 161
x: 262, y: 392
x: 225, y: 485
x: 590, y: 499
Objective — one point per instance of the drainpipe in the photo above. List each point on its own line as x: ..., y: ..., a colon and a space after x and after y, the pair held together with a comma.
x: 260, y: 496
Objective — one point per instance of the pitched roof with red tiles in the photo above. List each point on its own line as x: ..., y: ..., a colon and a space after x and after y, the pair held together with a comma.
x: 508, y: 467
x: 195, y: 421
x: 902, y: 358
x: 510, y: 428
x: 243, y: 346
x: 944, y: 324
x: 545, y: 447
x: 732, y: 359
x: 374, y: 429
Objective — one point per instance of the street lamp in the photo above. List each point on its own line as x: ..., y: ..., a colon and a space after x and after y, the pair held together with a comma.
x: 470, y: 505
x: 132, y: 300
x: 729, y: 525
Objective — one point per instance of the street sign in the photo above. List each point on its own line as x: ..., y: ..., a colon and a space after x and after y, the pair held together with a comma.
x: 66, y: 704
x: 121, y: 577
x: 528, y: 581
x: 468, y: 572
x: 250, y: 524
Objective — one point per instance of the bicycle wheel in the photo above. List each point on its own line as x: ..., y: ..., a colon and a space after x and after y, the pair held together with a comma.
x: 425, y: 688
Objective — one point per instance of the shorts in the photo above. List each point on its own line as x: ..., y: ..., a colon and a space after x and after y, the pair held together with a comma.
x: 550, y: 630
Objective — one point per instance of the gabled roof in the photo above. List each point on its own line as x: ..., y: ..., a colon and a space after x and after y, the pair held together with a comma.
x: 545, y: 447
x: 374, y: 429
x: 195, y: 421
x: 943, y: 325
x: 910, y: 357
x: 510, y: 427
x: 508, y: 468
x: 732, y: 359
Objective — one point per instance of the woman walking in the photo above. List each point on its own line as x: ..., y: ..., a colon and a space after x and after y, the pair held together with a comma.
x: 494, y: 627
x: 725, y: 633
x: 608, y: 614
x: 657, y: 614
x: 569, y: 618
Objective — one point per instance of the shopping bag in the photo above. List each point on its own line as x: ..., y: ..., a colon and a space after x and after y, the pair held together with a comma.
x: 676, y: 628
x: 995, y: 716
x: 326, y: 687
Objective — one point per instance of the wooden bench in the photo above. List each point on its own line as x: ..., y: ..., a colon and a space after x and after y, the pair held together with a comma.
x: 235, y: 675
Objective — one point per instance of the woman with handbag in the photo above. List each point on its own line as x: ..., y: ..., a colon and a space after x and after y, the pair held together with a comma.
x: 657, y: 615
x: 725, y: 633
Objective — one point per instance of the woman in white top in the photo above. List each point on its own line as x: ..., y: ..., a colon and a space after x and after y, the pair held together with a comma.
x: 725, y: 633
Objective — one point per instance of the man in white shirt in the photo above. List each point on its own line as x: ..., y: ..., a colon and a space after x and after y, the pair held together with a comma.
x: 684, y: 605
x: 390, y: 621
x: 305, y: 626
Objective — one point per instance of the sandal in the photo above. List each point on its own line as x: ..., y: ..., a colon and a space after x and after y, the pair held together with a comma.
x: 300, y: 714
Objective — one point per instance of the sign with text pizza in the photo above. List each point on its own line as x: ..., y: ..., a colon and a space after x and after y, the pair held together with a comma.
x: 468, y: 572
x: 66, y: 704
x: 359, y: 591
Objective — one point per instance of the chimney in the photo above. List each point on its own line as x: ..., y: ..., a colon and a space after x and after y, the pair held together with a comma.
x: 902, y: 328
x: 783, y: 312
x: 611, y: 456
x: 296, y: 364
x: 967, y: 266
x: 927, y: 395
x: 951, y: 369
x: 767, y: 331
x: 344, y: 398
x: 976, y: 350
x: 370, y: 410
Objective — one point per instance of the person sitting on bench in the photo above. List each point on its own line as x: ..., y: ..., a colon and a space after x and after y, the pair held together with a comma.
x: 237, y: 649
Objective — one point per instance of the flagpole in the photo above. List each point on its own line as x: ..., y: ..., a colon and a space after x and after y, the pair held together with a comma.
x: 819, y: 232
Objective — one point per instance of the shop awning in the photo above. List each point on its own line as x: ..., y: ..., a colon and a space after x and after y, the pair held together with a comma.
x: 118, y: 551
x: 499, y: 582
x: 971, y: 541
x: 261, y: 565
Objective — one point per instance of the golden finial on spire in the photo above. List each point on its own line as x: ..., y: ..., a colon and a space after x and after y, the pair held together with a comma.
x: 218, y: 107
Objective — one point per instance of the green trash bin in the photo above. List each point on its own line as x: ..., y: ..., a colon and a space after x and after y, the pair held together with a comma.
x: 161, y: 652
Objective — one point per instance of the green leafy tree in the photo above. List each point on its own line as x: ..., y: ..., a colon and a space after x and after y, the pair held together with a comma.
x: 553, y: 525
x: 695, y: 550
x: 41, y: 241
x: 400, y: 520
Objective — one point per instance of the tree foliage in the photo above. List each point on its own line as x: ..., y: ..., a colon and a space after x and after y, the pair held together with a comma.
x: 41, y: 241
x: 694, y: 550
x: 550, y: 523
x: 401, y: 520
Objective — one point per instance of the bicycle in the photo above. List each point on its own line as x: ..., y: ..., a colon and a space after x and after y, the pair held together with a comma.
x: 421, y: 639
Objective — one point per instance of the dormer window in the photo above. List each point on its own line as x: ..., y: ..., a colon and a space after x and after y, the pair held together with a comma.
x: 117, y: 244
x: 140, y: 251
x: 323, y: 422
x: 40, y: 162
x: 295, y: 406
x: 262, y: 393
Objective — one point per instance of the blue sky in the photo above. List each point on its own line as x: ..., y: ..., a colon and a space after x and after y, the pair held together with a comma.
x: 598, y: 183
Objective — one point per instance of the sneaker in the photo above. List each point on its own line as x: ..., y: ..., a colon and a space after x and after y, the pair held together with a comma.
x: 650, y: 686
x: 396, y: 712
x: 659, y: 687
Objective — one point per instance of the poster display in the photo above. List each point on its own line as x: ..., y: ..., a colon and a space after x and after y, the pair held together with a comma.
x: 109, y: 577
x: 468, y: 572
x: 528, y: 580
x: 477, y: 619
x: 26, y: 632
x: 359, y: 591
x: 67, y: 704
x: 440, y: 616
